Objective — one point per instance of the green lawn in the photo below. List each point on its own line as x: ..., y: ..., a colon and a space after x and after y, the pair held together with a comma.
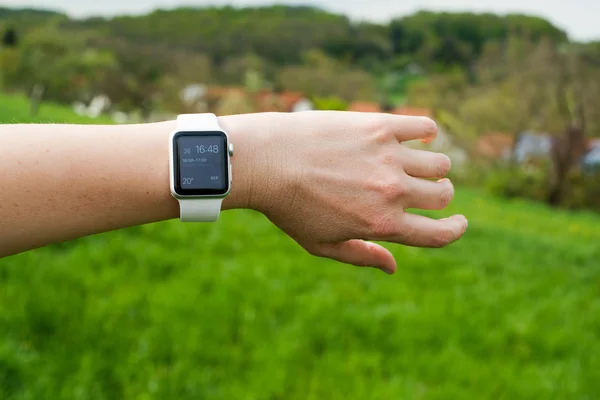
x: 15, y: 109
x: 236, y: 310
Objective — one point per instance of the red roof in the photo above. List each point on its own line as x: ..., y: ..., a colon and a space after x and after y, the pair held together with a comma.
x: 364, y: 106
x: 265, y: 101
x: 289, y: 99
x: 277, y: 102
x: 417, y: 112
x: 494, y: 144
x: 592, y: 143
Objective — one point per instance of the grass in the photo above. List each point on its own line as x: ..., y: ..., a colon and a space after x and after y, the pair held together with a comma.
x: 236, y: 310
x: 15, y: 109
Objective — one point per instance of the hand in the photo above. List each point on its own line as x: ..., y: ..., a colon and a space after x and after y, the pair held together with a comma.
x: 334, y: 180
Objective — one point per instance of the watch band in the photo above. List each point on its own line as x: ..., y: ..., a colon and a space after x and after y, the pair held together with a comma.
x: 207, y: 209
x: 199, y: 210
x: 198, y: 122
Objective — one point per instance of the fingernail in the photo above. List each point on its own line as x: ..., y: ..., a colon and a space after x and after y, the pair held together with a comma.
x: 465, y: 219
x: 387, y: 271
x: 443, y: 180
x: 455, y: 217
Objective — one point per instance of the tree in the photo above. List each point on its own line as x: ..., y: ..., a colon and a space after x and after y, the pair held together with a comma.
x: 10, y: 38
x: 445, y: 40
x: 523, y: 84
x: 323, y: 76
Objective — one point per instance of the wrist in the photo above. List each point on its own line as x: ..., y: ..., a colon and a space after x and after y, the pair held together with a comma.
x: 253, y: 174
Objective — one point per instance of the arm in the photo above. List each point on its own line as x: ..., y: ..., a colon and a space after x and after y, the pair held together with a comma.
x: 61, y: 182
x: 328, y: 179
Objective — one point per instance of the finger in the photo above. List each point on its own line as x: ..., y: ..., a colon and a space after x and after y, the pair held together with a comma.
x: 411, y: 128
x: 402, y: 127
x: 428, y: 195
x: 421, y: 231
x: 424, y: 164
x: 361, y: 254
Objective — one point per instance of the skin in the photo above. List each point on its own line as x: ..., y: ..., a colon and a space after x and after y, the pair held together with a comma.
x: 333, y: 181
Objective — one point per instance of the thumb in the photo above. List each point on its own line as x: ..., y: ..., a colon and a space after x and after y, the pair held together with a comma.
x: 362, y: 254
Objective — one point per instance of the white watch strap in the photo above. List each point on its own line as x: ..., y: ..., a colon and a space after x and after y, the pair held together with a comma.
x: 198, y: 122
x: 199, y: 210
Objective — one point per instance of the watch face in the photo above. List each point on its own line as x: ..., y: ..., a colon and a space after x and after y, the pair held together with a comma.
x: 200, y: 166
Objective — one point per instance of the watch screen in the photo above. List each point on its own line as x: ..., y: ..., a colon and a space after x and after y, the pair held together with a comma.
x: 201, y: 163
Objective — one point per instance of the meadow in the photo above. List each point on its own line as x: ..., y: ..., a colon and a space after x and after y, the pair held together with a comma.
x: 237, y: 310
x: 15, y: 109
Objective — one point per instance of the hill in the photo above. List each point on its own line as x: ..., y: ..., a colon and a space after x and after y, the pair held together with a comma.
x: 27, y: 18
x: 281, y: 35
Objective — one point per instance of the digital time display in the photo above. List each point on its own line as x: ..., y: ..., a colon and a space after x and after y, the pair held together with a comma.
x: 201, y: 163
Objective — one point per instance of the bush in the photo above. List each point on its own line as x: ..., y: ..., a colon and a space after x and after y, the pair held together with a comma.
x: 532, y: 181
x: 583, y: 192
x: 330, y: 103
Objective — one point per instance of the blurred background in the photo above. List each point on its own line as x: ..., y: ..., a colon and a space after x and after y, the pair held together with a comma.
x: 237, y: 310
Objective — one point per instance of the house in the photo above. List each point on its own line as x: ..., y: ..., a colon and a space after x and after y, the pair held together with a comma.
x: 262, y: 101
x: 529, y: 146
x: 592, y: 143
x: 495, y: 146
x: 533, y: 146
x: 591, y: 160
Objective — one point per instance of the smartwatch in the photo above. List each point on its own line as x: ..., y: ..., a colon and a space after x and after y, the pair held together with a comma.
x: 200, y: 158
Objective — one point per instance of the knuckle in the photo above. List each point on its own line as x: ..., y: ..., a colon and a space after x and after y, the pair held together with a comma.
x: 443, y: 165
x: 443, y: 236
x: 446, y: 197
x: 392, y: 189
x: 408, y: 234
x: 379, y: 128
x: 382, y: 227
x: 390, y: 160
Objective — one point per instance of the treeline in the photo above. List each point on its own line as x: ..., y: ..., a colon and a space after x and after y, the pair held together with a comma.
x: 282, y: 34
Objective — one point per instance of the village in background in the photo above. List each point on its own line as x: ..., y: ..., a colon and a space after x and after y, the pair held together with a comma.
x: 516, y: 101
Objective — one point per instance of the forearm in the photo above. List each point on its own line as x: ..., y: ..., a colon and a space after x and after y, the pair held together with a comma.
x: 62, y: 182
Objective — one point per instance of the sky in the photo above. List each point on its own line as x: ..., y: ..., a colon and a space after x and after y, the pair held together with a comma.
x: 580, y: 18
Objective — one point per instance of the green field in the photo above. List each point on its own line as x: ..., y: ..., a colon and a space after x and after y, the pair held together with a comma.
x: 236, y: 310
x: 15, y: 109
